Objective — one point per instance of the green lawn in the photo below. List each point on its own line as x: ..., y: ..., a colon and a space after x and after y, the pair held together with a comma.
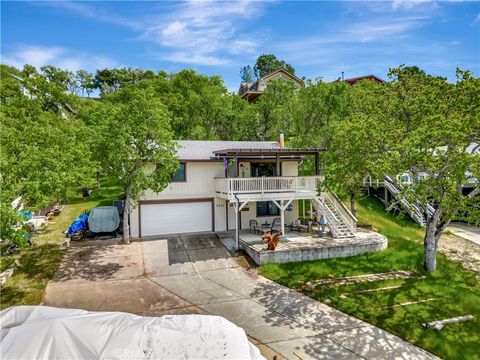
x: 38, y: 263
x: 455, y: 289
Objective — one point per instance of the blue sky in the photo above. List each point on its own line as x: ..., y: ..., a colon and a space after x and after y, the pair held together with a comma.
x: 320, y: 39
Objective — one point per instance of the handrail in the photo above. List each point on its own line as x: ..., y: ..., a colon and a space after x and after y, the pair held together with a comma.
x: 346, y: 217
x: 264, y: 185
x: 342, y: 205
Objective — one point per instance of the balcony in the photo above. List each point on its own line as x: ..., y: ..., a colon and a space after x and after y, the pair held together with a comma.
x: 266, y: 188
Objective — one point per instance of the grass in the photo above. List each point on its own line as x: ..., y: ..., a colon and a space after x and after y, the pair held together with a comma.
x: 39, y: 262
x: 456, y: 290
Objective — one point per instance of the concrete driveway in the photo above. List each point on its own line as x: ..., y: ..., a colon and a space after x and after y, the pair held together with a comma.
x: 196, y: 274
x: 466, y: 231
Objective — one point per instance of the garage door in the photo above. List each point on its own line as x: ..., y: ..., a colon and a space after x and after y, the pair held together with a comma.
x: 171, y: 218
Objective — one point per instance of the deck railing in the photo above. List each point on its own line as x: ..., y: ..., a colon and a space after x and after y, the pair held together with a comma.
x: 262, y: 185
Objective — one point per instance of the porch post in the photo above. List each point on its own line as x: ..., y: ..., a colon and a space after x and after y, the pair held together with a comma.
x: 282, y: 217
x: 277, y: 164
x: 317, y: 166
x: 237, y: 230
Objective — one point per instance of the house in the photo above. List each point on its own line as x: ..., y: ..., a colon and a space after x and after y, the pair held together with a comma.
x: 223, y: 185
x: 251, y: 91
x: 371, y: 77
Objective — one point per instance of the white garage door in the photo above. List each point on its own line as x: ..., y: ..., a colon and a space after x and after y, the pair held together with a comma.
x: 159, y: 219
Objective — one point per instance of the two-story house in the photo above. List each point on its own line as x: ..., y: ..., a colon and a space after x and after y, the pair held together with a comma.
x: 222, y: 185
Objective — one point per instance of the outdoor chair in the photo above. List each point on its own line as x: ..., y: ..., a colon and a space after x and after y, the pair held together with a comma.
x: 276, y: 225
x: 253, y: 226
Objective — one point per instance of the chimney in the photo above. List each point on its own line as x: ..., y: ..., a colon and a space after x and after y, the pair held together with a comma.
x: 282, y: 141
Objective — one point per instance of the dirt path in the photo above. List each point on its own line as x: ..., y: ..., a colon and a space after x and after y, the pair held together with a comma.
x: 461, y: 250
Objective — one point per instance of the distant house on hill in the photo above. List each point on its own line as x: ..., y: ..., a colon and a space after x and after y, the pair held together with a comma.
x: 251, y: 91
x: 353, y: 81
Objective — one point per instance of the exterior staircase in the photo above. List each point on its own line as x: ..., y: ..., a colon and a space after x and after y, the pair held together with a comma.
x: 413, y: 207
x: 340, y: 220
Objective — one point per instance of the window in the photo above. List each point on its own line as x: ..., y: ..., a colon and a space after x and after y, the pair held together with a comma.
x: 267, y: 208
x: 181, y: 174
x: 263, y: 169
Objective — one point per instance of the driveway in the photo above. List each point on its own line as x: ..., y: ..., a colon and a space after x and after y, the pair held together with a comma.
x: 196, y: 274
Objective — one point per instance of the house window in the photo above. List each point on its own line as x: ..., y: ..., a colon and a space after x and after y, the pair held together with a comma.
x: 181, y: 174
x: 263, y: 169
x: 267, y: 208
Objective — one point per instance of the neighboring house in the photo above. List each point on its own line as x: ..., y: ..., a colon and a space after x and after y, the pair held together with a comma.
x: 222, y: 185
x: 371, y: 77
x: 251, y: 91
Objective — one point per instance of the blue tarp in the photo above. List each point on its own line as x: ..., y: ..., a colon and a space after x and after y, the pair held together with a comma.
x: 80, y: 223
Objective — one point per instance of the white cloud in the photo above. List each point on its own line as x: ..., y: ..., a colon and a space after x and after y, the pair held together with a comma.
x: 197, y: 59
x: 189, y: 30
x: 408, y: 4
x: 476, y: 21
x: 60, y: 57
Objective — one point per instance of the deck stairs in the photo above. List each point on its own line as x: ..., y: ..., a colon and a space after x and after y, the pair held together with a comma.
x: 340, y: 221
x: 413, y: 207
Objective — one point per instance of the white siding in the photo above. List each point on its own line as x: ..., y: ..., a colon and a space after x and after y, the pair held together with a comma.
x: 290, y: 168
x: 199, y: 183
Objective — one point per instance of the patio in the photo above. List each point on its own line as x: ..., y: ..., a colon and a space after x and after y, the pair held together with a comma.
x: 295, y: 246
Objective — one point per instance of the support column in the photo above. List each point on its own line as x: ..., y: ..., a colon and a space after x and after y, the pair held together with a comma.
x: 317, y: 165
x: 277, y: 164
x: 237, y: 230
x: 282, y: 217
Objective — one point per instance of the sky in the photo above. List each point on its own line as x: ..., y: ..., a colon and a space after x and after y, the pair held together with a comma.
x: 320, y: 39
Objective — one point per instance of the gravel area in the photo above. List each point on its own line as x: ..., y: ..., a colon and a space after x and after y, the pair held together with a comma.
x: 461, y: 250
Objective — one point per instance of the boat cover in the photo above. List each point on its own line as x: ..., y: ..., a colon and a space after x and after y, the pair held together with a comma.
x: 42, y: 332
x: 103, y: 219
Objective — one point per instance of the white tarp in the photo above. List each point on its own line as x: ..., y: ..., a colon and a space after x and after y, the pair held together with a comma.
x: 41, y: 332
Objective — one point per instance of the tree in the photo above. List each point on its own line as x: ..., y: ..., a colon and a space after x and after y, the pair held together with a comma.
x: 354, y: 141
x: 135, y: 143
x: 274, y: 108
x: 42, y: 157
x: 246, y: 74
x: 267, y: 63
x: 432, y: 125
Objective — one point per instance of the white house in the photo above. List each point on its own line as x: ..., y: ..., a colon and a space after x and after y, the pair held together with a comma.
x: 222, y: 185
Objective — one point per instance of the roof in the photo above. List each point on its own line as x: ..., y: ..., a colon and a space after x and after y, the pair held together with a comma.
x: 204, y: 150
x: 253, y: 87
x: 269, y: 152
x: 354, y: 80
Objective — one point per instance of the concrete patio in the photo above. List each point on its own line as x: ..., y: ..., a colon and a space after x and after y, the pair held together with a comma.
x: 196, y: 274
x: 296, y: 246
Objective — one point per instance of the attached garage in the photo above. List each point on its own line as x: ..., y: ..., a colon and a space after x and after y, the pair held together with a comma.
x: 175, y: 216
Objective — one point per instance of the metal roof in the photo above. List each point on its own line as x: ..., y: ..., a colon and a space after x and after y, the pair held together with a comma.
x: 270, y: 151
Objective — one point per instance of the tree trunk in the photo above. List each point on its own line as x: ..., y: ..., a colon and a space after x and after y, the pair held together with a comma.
x: 429, y: 247
x: 353, y: 208
x: 126, y: 213
x: 435, y: 228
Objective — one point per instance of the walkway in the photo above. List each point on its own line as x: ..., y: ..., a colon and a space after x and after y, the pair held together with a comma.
x: 468, y: 232
x: 184, y: 274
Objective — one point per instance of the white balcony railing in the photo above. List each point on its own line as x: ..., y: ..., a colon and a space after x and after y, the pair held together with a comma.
x: 265, y: 185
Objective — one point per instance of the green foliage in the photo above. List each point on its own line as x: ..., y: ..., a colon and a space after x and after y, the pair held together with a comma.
x: 456, y: 288
x: 43, y: 157
x: 246, y: 74
x: 267, y: 63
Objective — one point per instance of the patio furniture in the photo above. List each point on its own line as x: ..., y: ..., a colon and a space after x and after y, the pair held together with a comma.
x: 276, y: 225
x: 253, y: 226
x: 299, y: 227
